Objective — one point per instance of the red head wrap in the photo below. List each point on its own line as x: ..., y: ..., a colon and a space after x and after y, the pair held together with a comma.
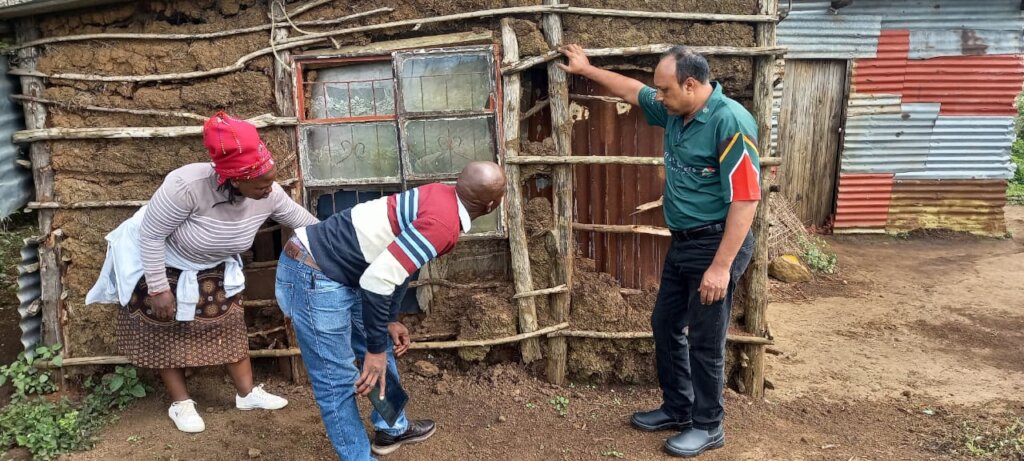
x: 235, y: 148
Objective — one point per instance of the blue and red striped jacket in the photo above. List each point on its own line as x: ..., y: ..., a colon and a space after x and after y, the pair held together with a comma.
x: 377, y: 245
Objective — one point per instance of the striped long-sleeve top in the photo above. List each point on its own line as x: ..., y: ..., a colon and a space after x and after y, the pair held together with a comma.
x: 377, y: 245
x: 189, y: 214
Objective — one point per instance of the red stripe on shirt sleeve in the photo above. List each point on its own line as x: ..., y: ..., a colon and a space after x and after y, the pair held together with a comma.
x: 745, y: 181
x: 406, y: 262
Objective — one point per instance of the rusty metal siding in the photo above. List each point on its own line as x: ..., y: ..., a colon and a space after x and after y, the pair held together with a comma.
x: 608, y: 194
x: 930, y: 107
x: 974, y: 206
x: 863, y: 202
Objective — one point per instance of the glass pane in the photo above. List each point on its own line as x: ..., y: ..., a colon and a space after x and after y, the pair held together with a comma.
x: 486, y: 223
x: 446, y: 82
x: 350, y: 151
x: 446, y: 146
x: 355, y: 90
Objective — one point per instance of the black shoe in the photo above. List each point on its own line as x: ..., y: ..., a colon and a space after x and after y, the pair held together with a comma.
x: 693, y: 442
x: 418, y: 431
x: 657, y: 420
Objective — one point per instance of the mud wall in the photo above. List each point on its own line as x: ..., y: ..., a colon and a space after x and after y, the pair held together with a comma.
x: 133, y: 169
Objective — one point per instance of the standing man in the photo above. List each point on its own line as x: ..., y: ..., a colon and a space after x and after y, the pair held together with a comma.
x: 341, y: 282
x: 712, y: 186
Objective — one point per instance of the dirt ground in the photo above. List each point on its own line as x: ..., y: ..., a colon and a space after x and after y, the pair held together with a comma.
x: 914, y: 339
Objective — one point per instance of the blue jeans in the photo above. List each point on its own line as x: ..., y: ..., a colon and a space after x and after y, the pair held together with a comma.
x: 691, y: 365
x: 328, y: 320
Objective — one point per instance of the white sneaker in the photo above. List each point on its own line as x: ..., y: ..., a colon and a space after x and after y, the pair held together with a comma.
x: 185, y: 417
x: 259, y: 399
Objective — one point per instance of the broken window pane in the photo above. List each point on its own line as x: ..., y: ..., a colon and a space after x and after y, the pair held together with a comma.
x: 356, y: 90
x: 350, y: 151
x: 446, y: 82
x: 444, y: 147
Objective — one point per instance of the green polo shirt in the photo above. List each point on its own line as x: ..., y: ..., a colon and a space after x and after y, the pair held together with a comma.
x: 710, y: 162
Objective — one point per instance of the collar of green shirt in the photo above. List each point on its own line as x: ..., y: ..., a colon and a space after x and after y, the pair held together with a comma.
x: 714, y: 100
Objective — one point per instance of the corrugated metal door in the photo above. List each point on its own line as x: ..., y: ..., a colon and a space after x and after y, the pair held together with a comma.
x: 809, y: 135
x: 608, y: 194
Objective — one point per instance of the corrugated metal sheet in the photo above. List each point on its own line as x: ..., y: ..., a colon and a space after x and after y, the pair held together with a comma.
x: 863, y: 201
x: 966, y: 85
x: 29, y: 292
x: 885, y: 73
x: 861, y: 104
x: 937, y: 27
x: 608, y: 194
x: 931, y: 43
x: 813, y: 33
x: 968, y: 148
x: 974, y: 206
x: 889, y: 143
x: 15, y: 180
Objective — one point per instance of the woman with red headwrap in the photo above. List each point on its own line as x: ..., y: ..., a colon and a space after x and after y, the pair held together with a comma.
x: 176, y: 268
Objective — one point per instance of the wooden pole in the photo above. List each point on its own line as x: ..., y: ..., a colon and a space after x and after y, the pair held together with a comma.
x: 737, y: 339
x: 460, y: 286
x: 756, y: 284
x: 490, y: 342
x: 190, y: 37
x: 533, y: 110
x: 561, y: 132
x: 541, y: 292
x: 622, y: 229
x: 294, y: 351
x: 605, y: 160
x: 42, y: 173
x: 656, y: 48
x: 669, y: 15
x: 45, y: 134
x: 81, y: 205
x: 514, y: 206
x: 284, y: 99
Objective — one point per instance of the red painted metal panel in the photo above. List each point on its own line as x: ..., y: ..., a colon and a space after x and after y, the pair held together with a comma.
x: 966, y: 85
x: 884, y: 73
x: 963, y: 85
x: 863, y: 201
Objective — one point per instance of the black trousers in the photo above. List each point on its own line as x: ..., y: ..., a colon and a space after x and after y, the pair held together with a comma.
x: 691, y: 366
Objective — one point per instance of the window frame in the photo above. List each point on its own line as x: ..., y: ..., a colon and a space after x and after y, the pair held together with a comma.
x: 406, y: 178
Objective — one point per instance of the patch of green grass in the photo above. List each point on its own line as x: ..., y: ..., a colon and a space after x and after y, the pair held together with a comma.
x: 818, y: 255
x: 47, y: 426
x: 1015, y: 193
x: 992, y: 440
x: 560, y: 404
x: 613, y: 454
